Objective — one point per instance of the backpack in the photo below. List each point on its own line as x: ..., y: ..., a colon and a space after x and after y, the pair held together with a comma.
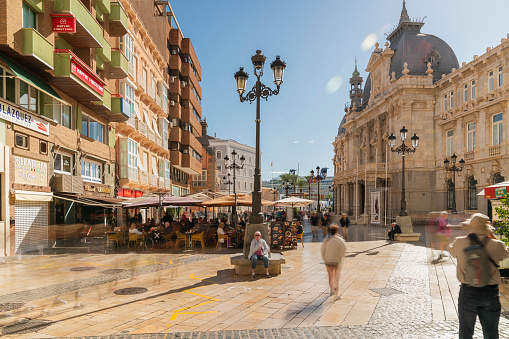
x: 479, y: 269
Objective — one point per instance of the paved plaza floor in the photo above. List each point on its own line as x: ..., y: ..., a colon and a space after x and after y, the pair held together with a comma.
x: 387, y: 290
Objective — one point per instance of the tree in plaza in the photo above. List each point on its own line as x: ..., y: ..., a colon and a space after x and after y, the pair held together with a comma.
x: 502, y: 224
x: 301, y: 182
x: 308, y: 181
x: 290, y: 178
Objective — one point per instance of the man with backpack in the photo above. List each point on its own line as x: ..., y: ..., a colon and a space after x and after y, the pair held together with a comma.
x: 478, y: 255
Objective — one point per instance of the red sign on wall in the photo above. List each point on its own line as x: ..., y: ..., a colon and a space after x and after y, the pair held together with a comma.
x: 87, y: 77
x: 63, y: 23
x: 127, y: 193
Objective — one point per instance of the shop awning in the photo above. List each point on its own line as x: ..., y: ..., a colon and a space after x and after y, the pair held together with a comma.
x: 32, y: 195
x: 30, y: 78
x: 104, y: 202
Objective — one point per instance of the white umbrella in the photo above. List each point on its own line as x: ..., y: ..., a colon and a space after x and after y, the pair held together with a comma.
x: 294, y: 202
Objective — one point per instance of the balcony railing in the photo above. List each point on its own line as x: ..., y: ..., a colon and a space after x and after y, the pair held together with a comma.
x: 159, y: 141
x: 68, y: 183
x: 153, y: 180
x: 34, y: 44
x: 144, y: 177
x: 160, y: 182
x: 159, y: 101
x: 167, y: 184
x: 141, y: 127
x: 132, y: 120
x: 132, y: 173
x: 469, y: 156
x: 165, y: 105
x: 141, y: 81
x: 495, y: 150
x: 132, y: 71
x: 151, y: 135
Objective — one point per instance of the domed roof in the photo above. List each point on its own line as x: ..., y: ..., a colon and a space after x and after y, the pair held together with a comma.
x: 417, y: 49
x: 341, y: 129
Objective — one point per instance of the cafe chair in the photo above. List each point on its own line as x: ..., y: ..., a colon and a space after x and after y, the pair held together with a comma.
x: 133, y: 237
x: 210, y: 235
x: 299, y: 237
x: 113, y: 237
x: 223, y: 236
x: 198, y: 237
x: 180, y: 237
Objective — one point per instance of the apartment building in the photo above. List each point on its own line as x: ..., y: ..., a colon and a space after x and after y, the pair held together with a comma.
x: 60, y: 72
x: 208, y: 179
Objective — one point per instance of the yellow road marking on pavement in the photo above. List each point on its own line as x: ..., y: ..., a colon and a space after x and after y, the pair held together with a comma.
x: 178, y: 312
x: 166, y: 332
x: 171, y: 262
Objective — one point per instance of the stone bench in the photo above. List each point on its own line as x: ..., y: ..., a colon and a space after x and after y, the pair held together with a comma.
x: 405, y: 237
x: 243, y: 266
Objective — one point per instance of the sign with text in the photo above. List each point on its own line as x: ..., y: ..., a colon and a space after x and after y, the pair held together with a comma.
x: 87, y: 77
x: 63, y: 23
x: 20, y: 117
x: 30, y: 171
x: 128, y: 193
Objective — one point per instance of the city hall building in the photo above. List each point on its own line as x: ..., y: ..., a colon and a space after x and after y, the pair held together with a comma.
x: 415, y: 82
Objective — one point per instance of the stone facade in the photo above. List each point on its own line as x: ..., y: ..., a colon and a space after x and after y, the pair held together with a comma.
x: 458, y: 112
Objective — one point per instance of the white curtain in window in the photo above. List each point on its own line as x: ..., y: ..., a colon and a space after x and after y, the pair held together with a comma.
x: 154, y: 165
x: 140, y: 165
x: 148, y: 121
x: 154, y: 123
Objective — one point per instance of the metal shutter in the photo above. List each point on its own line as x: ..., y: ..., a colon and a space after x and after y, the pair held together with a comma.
x: 31, y: 226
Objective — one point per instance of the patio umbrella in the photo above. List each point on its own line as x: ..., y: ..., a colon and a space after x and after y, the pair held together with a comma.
x: 229, y: 200
x: 294, y: 202
x: 167, y: 200
x: 496, y: 191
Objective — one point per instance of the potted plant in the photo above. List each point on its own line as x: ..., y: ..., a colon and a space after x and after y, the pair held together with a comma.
x: 502, y: 228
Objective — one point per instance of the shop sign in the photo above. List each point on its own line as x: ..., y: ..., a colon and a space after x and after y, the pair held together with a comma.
x: 500, y: 192
x: 22, y: 118
x: 63, y: 23
x: 30, y: 171
x: 97, y: 189
x: 86, y: 76
x: 127, y: 193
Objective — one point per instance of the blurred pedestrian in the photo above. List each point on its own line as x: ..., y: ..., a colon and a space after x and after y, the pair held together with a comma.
x: 479, y: 293
x: 315, y: 228
x: 344, y: 222
x: 333, y: 251
x: 325, y: 225
x: 444, y: 232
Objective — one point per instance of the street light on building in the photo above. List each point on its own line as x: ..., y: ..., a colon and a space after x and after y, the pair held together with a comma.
x: 258, y: 91
x: 403, y: 149
x: 320, y: 175
x: 234, y: 166
x: 288, y: 185
x: 454, y: 169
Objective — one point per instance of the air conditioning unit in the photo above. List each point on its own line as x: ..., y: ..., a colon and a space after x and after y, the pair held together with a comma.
x: 172, y: 78
x: 172, y: 103
x: 183, y: 84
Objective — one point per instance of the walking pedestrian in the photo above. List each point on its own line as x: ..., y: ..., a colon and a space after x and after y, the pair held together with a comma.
x: 333, y: 251
x: 344, y: 222
x: 444, y: 232
x: 325, y: 225
x: 315, y: 228
x: 479, y: 293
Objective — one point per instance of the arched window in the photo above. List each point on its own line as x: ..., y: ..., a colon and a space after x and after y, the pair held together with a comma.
x: 497, y: 177
x: 472, y: 193
x: 450, y: 194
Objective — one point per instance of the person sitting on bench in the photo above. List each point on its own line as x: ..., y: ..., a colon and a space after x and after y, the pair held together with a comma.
x: 259, y: 250
x: 394, y: 229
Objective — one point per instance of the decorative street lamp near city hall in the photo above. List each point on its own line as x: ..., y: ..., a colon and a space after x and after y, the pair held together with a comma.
x: 258, y: 91
x: 404, y: 149
x: 320, y: 175
x: 235, y: 167
x: 454, y: 169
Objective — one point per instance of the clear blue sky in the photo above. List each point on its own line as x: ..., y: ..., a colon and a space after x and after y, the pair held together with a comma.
x: 319, y: 41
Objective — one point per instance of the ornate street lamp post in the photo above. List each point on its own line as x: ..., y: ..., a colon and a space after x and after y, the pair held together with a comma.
x: 454, y: 169
x: 320, y: 175
x: 403, y: 149
x: 228, y: 182
x: 258, y: 91
x: 234, y: 166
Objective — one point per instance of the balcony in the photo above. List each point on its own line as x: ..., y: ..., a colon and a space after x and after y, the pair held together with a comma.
x: 151, y: 135
x: 141, y: 81
x: 66, y: 183
x: 103, y: 5
x: 132, y: 71
x: 175, y: 110
x: 167, y: 184
x: 141, y: 127
x: 37, y: 47
x: 469, y: 156
x: 190, y: 165
x: 88, y: 31
x: 495, y: 150
x: 119, y: 24
x: 160, y: 182
x: 75, y: 78
x: 176, y: 158
x: 119, y: 66
x: 103, y: 54
x: 144, y: 178
x: 120, y: 109
x: 102, y: 107
x: 153, y: 180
